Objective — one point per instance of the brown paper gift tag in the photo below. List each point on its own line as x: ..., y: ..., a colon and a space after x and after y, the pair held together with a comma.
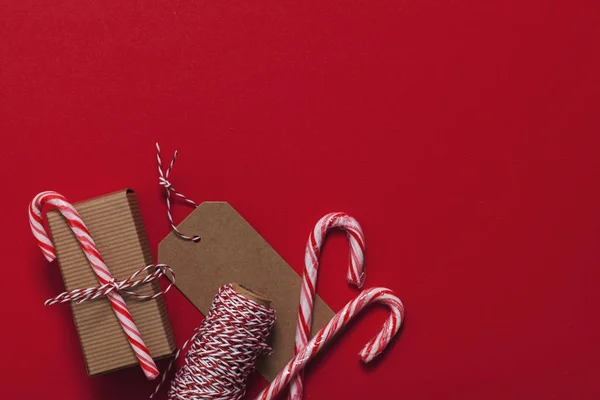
x: 230, y: 250
x: 115, y: 223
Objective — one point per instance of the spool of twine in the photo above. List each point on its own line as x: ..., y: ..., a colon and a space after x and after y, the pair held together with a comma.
x: 223, y: 351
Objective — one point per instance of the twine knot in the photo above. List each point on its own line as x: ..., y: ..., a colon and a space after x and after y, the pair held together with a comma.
x: 165, y: 183
x: 163, y: 180
x: 81, y: 295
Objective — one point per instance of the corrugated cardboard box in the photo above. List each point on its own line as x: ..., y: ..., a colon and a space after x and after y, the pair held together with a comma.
x: 116, y: 225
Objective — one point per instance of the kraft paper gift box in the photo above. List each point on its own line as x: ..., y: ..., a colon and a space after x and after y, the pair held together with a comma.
x: 116, y: 225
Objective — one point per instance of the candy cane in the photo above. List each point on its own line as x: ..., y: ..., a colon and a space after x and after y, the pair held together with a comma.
x: 103, y: 274
x: 356, y: 276
x: 371, y: 350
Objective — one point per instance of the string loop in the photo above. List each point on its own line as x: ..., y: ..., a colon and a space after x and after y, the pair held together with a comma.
x: 81, y: 295
x: 163, y: 180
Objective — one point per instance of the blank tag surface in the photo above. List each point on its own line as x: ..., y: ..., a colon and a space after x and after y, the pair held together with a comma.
x: 230, y: 250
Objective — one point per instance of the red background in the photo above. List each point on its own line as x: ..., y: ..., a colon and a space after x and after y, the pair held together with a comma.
x: 463, y: 135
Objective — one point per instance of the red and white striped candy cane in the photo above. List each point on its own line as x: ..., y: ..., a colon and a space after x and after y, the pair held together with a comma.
x: 371, y: 350
x: 356, y: 276
x: 91, y: 252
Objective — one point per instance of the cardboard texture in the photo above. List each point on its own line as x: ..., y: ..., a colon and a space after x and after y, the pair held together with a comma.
x: 251, y: 295
x: 229, y: 251
x: 115, y: 223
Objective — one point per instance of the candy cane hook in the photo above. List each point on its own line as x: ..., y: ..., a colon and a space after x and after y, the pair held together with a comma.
x: 356, y: 276
x: 103, y: 274
x: 371, y: 350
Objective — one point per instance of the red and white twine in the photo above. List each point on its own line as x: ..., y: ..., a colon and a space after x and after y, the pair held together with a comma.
x: 109, y: 286
x: 356, y: 276
x: 223, y: 351
x: 80, y: 295
x: 163, y: 180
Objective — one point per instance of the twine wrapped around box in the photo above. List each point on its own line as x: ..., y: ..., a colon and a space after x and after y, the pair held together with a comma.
x: 109, y: 331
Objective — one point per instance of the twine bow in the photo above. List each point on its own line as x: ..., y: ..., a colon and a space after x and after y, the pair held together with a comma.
x: 80, y: 295
x: 163, y: 180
